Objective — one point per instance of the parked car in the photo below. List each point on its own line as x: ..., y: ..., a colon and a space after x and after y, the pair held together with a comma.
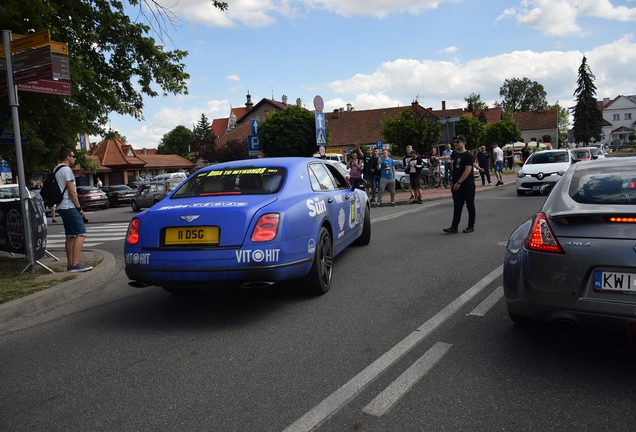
x: 602, y: 147
x: 586, y: 153
x: 543, y: 169
x: 118, y: 194
x: 150, y: 193
x: 574, y: 263
x: 170, y: 176
x: 249, y: 223
x: 11, y: 192
x: 135, y: 185
x: 91, y: 196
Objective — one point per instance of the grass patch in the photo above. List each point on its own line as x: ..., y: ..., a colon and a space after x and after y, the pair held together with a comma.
x: 15, y: 286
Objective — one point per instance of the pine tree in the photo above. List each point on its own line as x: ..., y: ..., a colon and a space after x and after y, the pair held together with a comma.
x: 203, y: 140
x: 588, y: 118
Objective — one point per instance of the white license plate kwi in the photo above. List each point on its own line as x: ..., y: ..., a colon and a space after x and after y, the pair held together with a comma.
x: 615, y: 282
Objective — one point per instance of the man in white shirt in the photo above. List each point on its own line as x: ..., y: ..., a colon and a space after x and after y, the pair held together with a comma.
x: 499, y: 156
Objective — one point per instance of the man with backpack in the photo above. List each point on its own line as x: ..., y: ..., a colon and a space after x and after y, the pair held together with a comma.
x: 71, y: 211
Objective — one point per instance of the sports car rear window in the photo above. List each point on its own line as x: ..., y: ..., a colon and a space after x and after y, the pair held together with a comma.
x: 611, y: 186
x: 234, y: 181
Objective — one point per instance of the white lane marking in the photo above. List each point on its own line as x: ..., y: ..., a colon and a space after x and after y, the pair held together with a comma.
x: 483, y: 307
x: 398, y: 388
x: 402, y: 213
x: 329, y: 406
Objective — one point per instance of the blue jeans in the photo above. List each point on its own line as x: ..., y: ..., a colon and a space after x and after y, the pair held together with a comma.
x: 375, y: 184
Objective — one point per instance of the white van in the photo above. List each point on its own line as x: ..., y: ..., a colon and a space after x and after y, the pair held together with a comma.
x: 170, y: 176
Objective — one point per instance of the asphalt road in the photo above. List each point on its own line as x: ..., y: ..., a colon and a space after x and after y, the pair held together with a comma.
x: 412, y: 336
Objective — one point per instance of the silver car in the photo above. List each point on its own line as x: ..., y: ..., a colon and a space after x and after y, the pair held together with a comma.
x: 574, y: 263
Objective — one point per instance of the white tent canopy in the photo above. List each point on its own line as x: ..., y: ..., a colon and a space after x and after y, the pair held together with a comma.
x: 532, y: 144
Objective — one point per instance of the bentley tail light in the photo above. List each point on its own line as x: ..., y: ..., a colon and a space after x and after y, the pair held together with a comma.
x: 266, y: 228
x: 541, y: 238
x: 132, y: 236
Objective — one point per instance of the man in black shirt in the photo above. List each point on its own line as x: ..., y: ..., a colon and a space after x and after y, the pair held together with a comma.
x: 463, y: 185
x: 483, y: 159
x: 368, y: 168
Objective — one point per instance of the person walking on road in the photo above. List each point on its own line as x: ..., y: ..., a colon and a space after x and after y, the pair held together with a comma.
x: 483, y: 162
x: 71, y: 212
x: 463, y: 189
x: 499, y: 157
x: 386, y: 165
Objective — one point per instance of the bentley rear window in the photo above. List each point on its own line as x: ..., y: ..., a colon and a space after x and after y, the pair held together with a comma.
x: 228, y: 181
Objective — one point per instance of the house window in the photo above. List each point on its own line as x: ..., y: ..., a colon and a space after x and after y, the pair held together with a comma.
x: 616, y: 117
x: 628, y: 116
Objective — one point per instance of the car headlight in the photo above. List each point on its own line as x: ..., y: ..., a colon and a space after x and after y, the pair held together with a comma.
x: 560, y: 173
x: 520, y: 174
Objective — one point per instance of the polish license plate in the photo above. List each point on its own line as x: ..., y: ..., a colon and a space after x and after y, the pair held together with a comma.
x: 615, y: 282
x: 192, y: 235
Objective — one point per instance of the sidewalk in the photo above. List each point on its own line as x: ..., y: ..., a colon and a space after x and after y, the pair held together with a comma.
x: 431, y: 194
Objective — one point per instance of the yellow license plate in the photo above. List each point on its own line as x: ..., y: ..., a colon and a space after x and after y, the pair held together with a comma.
x: 193, y: 235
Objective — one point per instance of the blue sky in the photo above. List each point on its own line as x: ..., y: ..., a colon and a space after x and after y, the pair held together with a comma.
x: 385, y: 53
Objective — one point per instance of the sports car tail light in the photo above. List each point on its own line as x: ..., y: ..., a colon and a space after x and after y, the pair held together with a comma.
x: 266, y: 228
x: 541, y: 238
x: 132, y: 236
x: 621, y: 219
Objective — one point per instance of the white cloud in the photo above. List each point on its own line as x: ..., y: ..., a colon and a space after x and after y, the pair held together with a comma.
x: 559, y: 17
x: 614, y: 66
x: 233, y: 77
x: 450, y: 50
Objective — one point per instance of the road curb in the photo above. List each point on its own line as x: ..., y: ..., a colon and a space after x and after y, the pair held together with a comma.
x: 61, y: 293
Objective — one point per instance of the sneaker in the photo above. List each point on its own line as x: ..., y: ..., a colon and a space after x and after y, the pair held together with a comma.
x: 420, y: 202
x: 54, y: 221
x: 372, y: 200
x: 79, y: 268
x: 392, y: 204
x: 413, y: 202
x: 412, y: 197
x: 489, y: 184
x: 483, y: 184
x: 450, y: 230
x: 469, y: 230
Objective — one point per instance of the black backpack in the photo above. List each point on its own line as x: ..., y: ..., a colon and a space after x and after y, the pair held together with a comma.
x: 50, y: 192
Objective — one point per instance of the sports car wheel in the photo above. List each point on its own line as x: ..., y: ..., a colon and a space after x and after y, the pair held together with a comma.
x: 134, y: 206
x: 318, y: 280
x: 365, y: 237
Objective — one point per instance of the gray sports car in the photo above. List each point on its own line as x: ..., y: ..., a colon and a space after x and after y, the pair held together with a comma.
x: 574, y: 263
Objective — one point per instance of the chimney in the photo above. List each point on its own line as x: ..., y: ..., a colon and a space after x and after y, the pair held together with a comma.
x: 605, y: 101
x: 348, y: 107
x: 336, y: 113
x: 443, y: 105
x: 284, y: 99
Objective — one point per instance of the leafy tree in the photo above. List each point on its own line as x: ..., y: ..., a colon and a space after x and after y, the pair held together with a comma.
x: 472, y: 129
x: 502, y: 132
x: 474, y: 103
x: 290, y: 132
x: 482, y: 117
x: 177, y: 141
x: 563, y: 121
x: 232, y: 150
x: 522, y: 95
x: 588, y: 119
x: 115, y: 134
x: 409, y: 128
x: 203, y: 140
x: 113, y: 63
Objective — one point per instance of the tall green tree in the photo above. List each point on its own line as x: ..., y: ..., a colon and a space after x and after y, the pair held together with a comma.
x: 474, y: 103
x: 522, y: 95
x: 114, y: 63
x: 588, y: 118
x: 502, y: 132
x: 473, y: 129
x: 177, y: 141
x: 409, y: 128
x: 290, y: 132
x: 203, y: 140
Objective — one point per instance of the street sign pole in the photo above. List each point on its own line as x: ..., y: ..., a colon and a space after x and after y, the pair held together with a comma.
x: 13, y: 103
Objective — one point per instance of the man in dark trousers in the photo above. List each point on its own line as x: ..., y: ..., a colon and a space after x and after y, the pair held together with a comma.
x: 463, y: 189
x: 483, y: 160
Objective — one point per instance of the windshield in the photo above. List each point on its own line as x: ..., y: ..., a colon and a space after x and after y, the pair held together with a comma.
x: 548, y: 157
x: 608, y: 186
x: 241, y: 181
x: 581, y: 154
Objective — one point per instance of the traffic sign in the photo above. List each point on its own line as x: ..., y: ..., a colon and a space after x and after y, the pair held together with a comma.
x: 253, y: 144
x: 60, y: 88
x: 33, y: 74
x: 320, y: 120
x: 31, y: 40
x: 321, y: 137
x: 256, y: 123
x: 319, y: 104
x: 378, y: 144
x: 36, y: 57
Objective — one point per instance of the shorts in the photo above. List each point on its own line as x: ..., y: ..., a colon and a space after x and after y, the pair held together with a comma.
x: 73, y: 223
x: 415, y: 181
x: 498, y: 166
